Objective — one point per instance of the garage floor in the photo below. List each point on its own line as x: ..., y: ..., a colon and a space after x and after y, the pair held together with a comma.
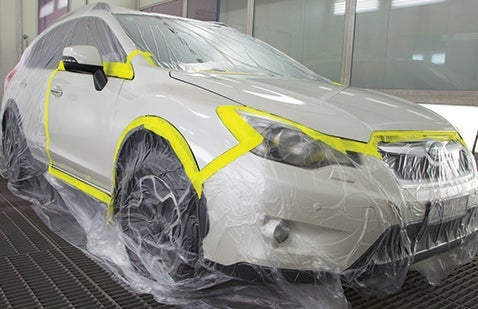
x: 38, y: 269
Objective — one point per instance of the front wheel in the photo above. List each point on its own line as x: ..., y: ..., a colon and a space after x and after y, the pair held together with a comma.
x: 159, y: 210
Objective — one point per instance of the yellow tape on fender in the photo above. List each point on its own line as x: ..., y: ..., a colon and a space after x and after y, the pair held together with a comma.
x: 180, y: 147
x: 248, y: 139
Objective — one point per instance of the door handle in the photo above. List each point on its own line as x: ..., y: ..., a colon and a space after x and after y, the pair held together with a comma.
x: 57, y: 92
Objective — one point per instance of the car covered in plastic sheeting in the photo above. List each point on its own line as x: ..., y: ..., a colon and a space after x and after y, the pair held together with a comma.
x: 214, y: 156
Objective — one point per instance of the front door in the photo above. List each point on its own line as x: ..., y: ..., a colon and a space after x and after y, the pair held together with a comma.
x: 79, y: 125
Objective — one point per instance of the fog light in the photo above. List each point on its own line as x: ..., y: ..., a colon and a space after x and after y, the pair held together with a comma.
x: 275, y: 231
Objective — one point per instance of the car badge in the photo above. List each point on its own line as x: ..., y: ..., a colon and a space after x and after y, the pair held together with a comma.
x: 436, y: 151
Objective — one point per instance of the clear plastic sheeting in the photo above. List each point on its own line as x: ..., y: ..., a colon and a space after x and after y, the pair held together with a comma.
x: 154, y: 242
x: 219, y: 48
x: 281, y: 216
x: 155, y: 256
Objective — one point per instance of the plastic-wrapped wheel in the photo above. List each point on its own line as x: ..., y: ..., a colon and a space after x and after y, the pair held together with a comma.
x: 19, y: 162
x: 158, y: 209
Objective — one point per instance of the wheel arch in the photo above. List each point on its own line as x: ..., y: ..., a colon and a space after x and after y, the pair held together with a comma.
x: 160, y: 128
x: 10, y: 105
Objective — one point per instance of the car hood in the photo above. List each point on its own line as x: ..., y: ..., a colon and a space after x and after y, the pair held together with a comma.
x: 336, y: 110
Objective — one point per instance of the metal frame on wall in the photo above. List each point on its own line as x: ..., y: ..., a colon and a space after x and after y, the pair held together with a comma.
x: 348, y: 43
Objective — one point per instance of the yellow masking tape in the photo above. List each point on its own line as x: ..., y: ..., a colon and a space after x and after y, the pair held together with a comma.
x: 180, y: 147
x: 100, y: 195
x: 147, y: 55
x: 114, y: 69
x: 45, y: 114
x: 125, y: 70
x: 248, y: 138
x: 119, y: 70
x: 80, y: 185
x: 340, y: 144
x: 343, y: 145
x: 122, y: 70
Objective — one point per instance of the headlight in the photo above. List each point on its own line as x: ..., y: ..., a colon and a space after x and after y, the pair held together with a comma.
x: 287, y: 144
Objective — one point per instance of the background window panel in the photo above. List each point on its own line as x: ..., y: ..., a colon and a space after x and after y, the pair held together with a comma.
x: 206, y: 10
x: 417, y: 44
x: 234, y: 14
x: 310, y: 31
x: 49, y: 11
x: 171, y: 8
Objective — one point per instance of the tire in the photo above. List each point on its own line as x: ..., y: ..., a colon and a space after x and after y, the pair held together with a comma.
x: 19, y: 162
x: 159, y: 210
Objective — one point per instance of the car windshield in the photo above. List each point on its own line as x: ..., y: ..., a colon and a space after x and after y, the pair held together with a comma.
x: 201, y: 46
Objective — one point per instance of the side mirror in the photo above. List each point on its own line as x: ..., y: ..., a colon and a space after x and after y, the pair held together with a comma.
x: 85, y: 59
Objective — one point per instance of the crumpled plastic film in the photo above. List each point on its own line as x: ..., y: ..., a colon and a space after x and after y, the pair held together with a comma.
x: 184, y: 51
x: 288, y: 222
x: 81, y: 219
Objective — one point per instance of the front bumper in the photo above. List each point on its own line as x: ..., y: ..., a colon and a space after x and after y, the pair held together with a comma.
x: 342, y: 220
x: 384, y: 261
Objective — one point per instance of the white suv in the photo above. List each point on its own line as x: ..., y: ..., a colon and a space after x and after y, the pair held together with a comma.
x: 213, y: 148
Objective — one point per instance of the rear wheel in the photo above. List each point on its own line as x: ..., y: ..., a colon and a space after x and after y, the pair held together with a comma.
x: 158, y: 210
x: 19, y: 162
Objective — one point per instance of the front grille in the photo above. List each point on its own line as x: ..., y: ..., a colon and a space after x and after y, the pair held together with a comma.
x: 427, y: 161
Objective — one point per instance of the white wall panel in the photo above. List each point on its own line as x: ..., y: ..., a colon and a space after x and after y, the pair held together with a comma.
x: 74, y: 4
x: 29, y: 19
x: 9, y: 38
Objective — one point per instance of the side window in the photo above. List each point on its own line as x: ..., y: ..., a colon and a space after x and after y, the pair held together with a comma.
x: 46, y: 52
